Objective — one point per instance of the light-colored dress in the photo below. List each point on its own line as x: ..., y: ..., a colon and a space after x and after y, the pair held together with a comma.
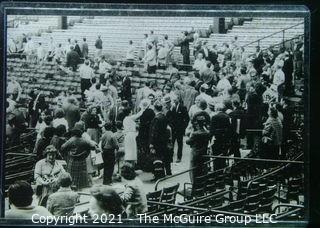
x: 130, y: 134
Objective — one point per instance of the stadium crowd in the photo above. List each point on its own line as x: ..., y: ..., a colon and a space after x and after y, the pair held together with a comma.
x: 226, y: 91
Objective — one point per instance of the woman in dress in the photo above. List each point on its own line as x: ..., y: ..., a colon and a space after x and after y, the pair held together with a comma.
x: 78, y: 150
x: 130, y: 135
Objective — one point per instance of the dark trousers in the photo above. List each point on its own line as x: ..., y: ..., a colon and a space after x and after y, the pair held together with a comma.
x: 186, y: 58
x: 85, y: 84
x: 163, y: 154
x: 235, y: 146
x: 152, y: 69
x: 108, y: 157
x: 220, y: 147
x: 179, y: 138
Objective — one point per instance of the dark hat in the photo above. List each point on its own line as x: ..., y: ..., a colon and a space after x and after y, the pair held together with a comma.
x: 166, y: 99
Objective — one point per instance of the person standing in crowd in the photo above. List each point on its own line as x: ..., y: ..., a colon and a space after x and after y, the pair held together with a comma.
x: 43, y: 142
x: 60, y: 119
x: 130, y: 56
x: 189, y: 94
x: 20, y: 196
x: 62, y: 202
x: 288, y: 74
x: 109, y: 145
x: 84, y: 48
x: 73, y: 59
x: 104, y: 68
x: 36, y: 106
x: 237, y: 116
x: 46, y: 174
x: 220, y: 129
x: 14, y: 88
x: 86, y: 75
x: 272, y: 135
x: 59, y: 138
x: 144, y: 129
x: 150, y: 60
x: 72, y: 111
x: 199, y: 63
x: 130, y: 131
x: 126, y: 93
x: 185, y: 50
x: 178, y: 120
x: 158, y: 136
x: 98, y: 46
x: 134, y: 196
x: 77, y: 150
x: 92, y: 123
x: 77, y: 48
x: 198, y: 141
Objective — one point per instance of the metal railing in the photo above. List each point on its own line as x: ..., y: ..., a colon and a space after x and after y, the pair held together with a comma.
x: 272, y: 34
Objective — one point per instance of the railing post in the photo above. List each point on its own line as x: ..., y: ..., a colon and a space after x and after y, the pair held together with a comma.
x: 259, y: 43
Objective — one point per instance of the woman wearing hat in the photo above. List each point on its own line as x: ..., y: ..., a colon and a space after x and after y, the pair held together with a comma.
x: 78, y: 150
x: 46, y: 174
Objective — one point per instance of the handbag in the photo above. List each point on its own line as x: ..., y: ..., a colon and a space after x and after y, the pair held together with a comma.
x: 96, y: 158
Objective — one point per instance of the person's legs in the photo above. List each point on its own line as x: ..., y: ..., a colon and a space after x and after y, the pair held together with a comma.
x: 108, y: 168
x: 179, y: 138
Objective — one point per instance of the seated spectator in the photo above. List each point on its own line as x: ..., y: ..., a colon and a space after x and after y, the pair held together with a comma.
x: 134, y: 195
x: 20, y: 198
x: 105, y: 201
x: 62, y: 202
x: 46, y: 174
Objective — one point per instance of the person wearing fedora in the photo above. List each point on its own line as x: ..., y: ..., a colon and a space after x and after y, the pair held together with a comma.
x: 46, y: 174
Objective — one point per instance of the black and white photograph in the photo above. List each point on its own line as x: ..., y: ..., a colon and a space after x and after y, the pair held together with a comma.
x: 186, y: 118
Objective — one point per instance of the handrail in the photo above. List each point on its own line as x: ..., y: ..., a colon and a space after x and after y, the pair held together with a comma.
x: 272, y: 172
x: 287, y: 205
x: 288, y: 213
x: 32, y: 155
x: 178, y: 174
x: 254, y: 159
x: 258, y: 40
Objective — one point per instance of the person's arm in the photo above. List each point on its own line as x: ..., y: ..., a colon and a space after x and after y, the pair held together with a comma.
x: 137, y: 115
x: 115, y: 142
x: 185, y: 117
x: 37, y: 174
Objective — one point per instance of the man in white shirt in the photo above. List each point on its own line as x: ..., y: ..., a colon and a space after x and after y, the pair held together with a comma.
x: 130, y: 55
x: 86, y: 74
x: 104, y: 67
x: 199, y: 63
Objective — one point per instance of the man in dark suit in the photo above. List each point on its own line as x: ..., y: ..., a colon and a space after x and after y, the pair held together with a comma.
x: 73, y: 59
x: 220, y: 129
x: 258, y: 61
x: 126, y: 93
x: 143, y: 134
x: 84, y: 48
x: 288, y: 74
x: 237, y: 127
x: 178, y: 120
x: 159, y: 138
x: 77, y: 48
x: 185, y: 50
